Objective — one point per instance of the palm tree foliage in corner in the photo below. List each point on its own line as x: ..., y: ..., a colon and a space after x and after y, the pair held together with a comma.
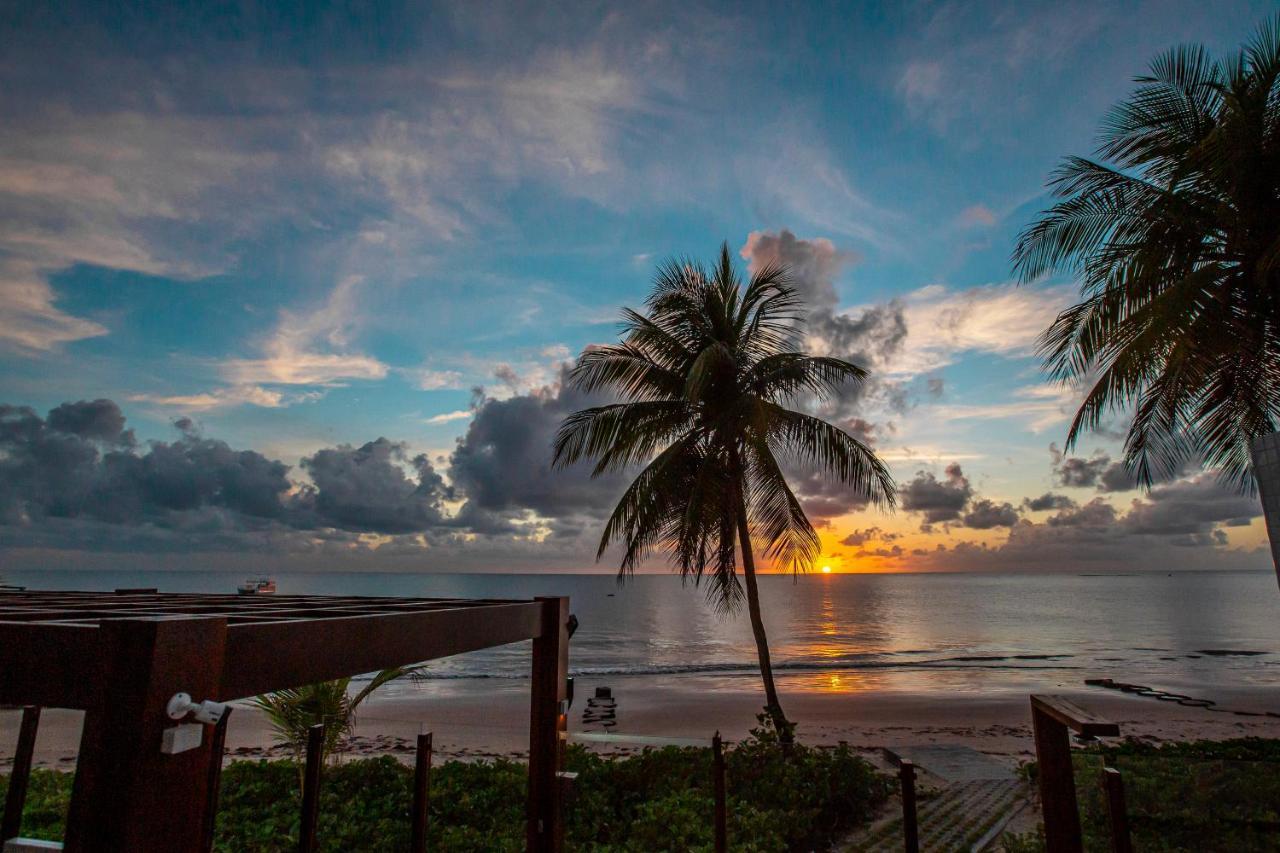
x: 293, y: 712
x: 1174, y: 233
x: 704, y: 378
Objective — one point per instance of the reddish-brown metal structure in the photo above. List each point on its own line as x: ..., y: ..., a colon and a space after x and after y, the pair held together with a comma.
x: 120, y: 657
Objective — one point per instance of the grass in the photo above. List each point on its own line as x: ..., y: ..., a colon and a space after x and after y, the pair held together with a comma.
x: 658, y: 800
x: 1187, y: 796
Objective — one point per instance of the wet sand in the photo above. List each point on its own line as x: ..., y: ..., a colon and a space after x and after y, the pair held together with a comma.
x: 474, y: 719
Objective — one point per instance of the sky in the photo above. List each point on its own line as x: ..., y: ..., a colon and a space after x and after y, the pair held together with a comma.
x: 294, y: 286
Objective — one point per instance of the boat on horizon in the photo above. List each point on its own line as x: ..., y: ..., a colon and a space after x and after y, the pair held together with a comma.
x: 258, y: 586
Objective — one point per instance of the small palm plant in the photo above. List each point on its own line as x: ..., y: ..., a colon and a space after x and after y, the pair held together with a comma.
x: 705, y: 378
x: 293, y: 712
x: 1174, y: 234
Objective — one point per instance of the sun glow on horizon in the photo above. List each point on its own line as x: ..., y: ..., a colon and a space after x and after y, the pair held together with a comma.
x: 826, y: 570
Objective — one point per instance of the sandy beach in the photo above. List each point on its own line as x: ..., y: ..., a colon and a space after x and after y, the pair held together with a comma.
x: 475, y: 718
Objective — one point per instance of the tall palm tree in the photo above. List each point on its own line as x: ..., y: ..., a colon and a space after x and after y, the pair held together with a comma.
x: 1174, y: 233
x: 704, y: 379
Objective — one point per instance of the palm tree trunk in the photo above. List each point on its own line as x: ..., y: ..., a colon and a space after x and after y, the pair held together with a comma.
x: 772, y: 707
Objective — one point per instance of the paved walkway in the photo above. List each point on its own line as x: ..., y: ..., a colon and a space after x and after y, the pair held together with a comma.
x: 964, y: 799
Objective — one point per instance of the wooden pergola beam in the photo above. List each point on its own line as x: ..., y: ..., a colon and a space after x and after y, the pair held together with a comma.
x: 121, y: 657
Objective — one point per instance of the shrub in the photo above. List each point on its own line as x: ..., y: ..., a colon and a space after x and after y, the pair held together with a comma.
x: 660, y: 799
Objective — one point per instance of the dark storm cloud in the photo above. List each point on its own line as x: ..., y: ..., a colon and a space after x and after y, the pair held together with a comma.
x: 100, y: 420
x: 367, y: 489
x: 986, y: 514
x: 1048, y: 501
x: 1191, y: 509
x: 937, y: 500
x: 76, y: 477
x: 503, y: 462
x: 77, y: 463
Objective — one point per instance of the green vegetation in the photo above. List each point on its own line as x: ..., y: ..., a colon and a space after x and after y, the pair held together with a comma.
x: 706, y: 379
x: 658, y: 800
x: 1174, y: 235
x: 293, y: 712
x: 1187, y: 796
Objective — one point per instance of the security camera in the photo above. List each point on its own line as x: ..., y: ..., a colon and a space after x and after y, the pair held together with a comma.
x: 207, y: 711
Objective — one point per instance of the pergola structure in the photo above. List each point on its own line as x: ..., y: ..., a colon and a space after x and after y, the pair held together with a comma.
x: 121, y: 657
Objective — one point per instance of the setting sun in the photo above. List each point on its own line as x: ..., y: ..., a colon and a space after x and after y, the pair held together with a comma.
x: 826, y: 570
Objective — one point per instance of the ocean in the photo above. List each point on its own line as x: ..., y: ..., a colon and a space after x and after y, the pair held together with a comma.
x: 922, y: 633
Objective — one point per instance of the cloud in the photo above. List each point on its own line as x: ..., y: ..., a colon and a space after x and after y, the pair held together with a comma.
x: 312, y: 348
x: 1048, y: 501
x: 869, y: 534
x: 976, y: 216
x: 367, y: 489
x: 871, y: 338
x: 1097, y: 471
x: 958, y: 79
x: 76, y: 476
x: 1190, y: 510
x: 999, y: 319
x: 1042, y: 406
x: 937, y: 500
x: 29, y: 317
x: 449, y: 417
x: 254, y: 395
x: 435, y: 380
x: 986, y: 514
x: 503, y: 461
x: 1096, y: 513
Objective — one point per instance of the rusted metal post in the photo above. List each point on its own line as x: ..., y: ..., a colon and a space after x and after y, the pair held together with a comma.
x: 1057, y: 784
x: 217, y: 741
x: 1117, y: 813
x: 910, y: 822
x: 16, y: 797
x: 421, y: 795
x: 128, y: 794
x: 547, y: 720
x: 722, y: 808
x: 311, y: 789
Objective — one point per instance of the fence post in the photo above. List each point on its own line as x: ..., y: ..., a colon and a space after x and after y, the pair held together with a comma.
x: 216, y: 743
x: 1117, y: 813
x: 421, y: 795
x: 722, y: 810
x: 1057, y: 784
x: 311, y: 789
x: 910, y: 823
x: 16, y: 797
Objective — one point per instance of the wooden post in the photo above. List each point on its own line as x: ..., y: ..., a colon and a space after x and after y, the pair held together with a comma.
x: 910, y: 822
x: 127, y: 794
x: 217, y: 740
x: 311, y: 789
x: 547, y: 719
x: 421, y: 795
x: 16, y: 797
x: 1057, y: 784
x: 722, y: 808
x: 1117, y: 813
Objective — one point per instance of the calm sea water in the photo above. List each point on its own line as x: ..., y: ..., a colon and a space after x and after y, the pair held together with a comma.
x: 956, y: 632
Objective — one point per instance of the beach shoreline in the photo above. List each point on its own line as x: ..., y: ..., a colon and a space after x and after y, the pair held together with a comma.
x: 475, y: 719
